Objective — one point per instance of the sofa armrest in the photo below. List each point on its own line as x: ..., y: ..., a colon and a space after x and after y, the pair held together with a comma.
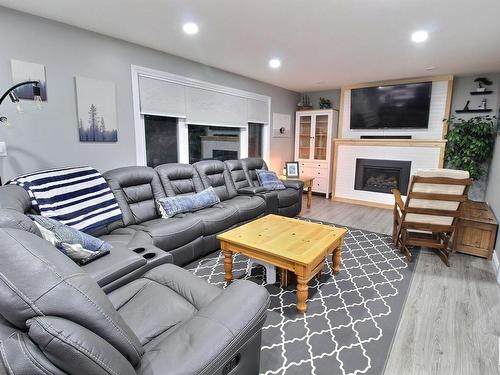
x: 118, y: 263
x: 251, y: 190
x: 223, y: 334
x: 294, y: 184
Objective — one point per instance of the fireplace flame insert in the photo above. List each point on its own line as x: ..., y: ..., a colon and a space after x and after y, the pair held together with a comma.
x: 381, y: 176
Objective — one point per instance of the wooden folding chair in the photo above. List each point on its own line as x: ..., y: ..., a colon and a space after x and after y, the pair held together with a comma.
x: 428, y: 217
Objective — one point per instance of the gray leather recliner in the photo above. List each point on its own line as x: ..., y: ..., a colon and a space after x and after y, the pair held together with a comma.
x: 289, y: 200
x: 215, y: 174
x: 245, y: 187
x: 168, y: 321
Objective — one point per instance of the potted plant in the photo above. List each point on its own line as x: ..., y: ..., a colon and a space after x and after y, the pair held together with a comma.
x: 470, y: 144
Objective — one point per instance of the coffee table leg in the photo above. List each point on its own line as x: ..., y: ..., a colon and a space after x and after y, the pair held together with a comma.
x: 309, y: 196
x: 228, y: 265
x: 336, y: 259
x: 283, y: 277
x: 302, y: 290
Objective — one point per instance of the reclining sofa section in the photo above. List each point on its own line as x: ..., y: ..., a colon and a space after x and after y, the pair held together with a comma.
x: 143, y: 240
x: 167, y: 321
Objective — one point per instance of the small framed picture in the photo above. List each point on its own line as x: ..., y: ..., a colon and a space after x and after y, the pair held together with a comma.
x: 292, y: 169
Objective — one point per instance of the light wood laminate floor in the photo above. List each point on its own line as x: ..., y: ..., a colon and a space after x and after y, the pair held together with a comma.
x: 451, y: 321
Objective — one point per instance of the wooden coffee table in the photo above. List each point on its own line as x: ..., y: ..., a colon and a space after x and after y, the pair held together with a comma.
x: 295, y: 245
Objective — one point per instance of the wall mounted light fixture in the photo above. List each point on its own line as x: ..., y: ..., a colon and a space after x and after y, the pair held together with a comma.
x: 13, y: 97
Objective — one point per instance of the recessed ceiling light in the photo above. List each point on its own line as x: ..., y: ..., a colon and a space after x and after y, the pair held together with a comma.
x: 190, y: 28
x: 430, y: 68
x: 274, y: 63
x: 419, y: 36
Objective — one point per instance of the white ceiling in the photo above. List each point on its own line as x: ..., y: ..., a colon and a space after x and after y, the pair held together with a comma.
x: 323, y: 44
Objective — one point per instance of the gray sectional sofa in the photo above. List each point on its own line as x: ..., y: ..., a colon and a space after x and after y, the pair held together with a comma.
x: 166, y: 321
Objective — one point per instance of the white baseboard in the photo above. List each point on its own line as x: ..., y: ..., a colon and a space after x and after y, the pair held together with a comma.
x: 496, y: 264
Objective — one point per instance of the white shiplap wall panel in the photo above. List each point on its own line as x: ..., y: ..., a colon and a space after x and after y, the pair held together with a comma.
x: 436, y: 115
x: 421, y: 157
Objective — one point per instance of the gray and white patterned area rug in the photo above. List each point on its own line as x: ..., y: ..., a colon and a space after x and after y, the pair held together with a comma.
x: 351, y: 317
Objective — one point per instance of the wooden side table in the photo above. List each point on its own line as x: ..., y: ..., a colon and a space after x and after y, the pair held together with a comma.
x: 308, y: 184
x: 476, y: 230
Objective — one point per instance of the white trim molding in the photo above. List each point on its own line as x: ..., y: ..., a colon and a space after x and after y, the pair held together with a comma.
x: 140, y: 139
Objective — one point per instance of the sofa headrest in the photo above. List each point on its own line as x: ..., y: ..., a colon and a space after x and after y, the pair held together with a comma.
x: 36, y: 279
x: 214, y: 173
x: 10, y: 218
x: 15, y: 198
x: 249, y: 167
x: 136, y: 190
x: 233, y: 165
x: 253, y: 163
x: 235, y: 168
x: 179, y: 179
x: 130, y: 176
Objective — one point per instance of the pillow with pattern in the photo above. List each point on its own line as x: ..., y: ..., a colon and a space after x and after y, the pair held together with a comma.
x: 79, y: 246
x: 172, y: 206
x: 269, y: 180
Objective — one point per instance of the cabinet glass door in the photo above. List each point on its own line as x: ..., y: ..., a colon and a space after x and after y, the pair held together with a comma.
x: 320, y: 137
x: 305, y: 137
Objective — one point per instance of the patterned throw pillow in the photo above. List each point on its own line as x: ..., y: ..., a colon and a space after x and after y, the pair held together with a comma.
x: 79, y: 246
x: 269, y: 180
x: 172, y: 206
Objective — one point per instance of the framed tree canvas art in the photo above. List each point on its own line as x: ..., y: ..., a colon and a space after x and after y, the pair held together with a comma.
x: 26, y: 71
x: 96, y: 110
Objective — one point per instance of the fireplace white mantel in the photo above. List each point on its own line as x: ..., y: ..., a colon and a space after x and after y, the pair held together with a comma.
x: 421, y: 153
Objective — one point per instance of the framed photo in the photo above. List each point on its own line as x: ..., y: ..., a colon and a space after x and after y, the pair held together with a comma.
x: 281, y: 125
x: 96, y: 107
x: 292, y: 169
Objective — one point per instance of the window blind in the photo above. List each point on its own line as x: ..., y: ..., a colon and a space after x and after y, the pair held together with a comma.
x: 208, y: 107
x: 257, y: 111
x: 200, y: 106
x: 159, y: 97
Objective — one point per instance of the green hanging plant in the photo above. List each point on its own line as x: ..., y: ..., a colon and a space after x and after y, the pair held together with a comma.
x: 470, y: 144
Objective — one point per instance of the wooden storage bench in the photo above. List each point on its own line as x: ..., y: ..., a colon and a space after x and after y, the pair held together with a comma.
x: 476, y: 230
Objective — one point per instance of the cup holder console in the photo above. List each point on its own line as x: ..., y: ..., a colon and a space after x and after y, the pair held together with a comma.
x: 149, y: 255
x: 139, y: 250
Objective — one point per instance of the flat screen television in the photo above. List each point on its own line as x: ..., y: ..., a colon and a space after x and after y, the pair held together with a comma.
x: 391, y: 107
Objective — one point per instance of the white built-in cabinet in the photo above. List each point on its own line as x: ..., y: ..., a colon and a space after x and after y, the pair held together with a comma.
x: 314, y: 134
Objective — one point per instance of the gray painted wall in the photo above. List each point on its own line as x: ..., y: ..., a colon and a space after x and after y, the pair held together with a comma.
x: 493, y: 189
x: 49, y: 137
